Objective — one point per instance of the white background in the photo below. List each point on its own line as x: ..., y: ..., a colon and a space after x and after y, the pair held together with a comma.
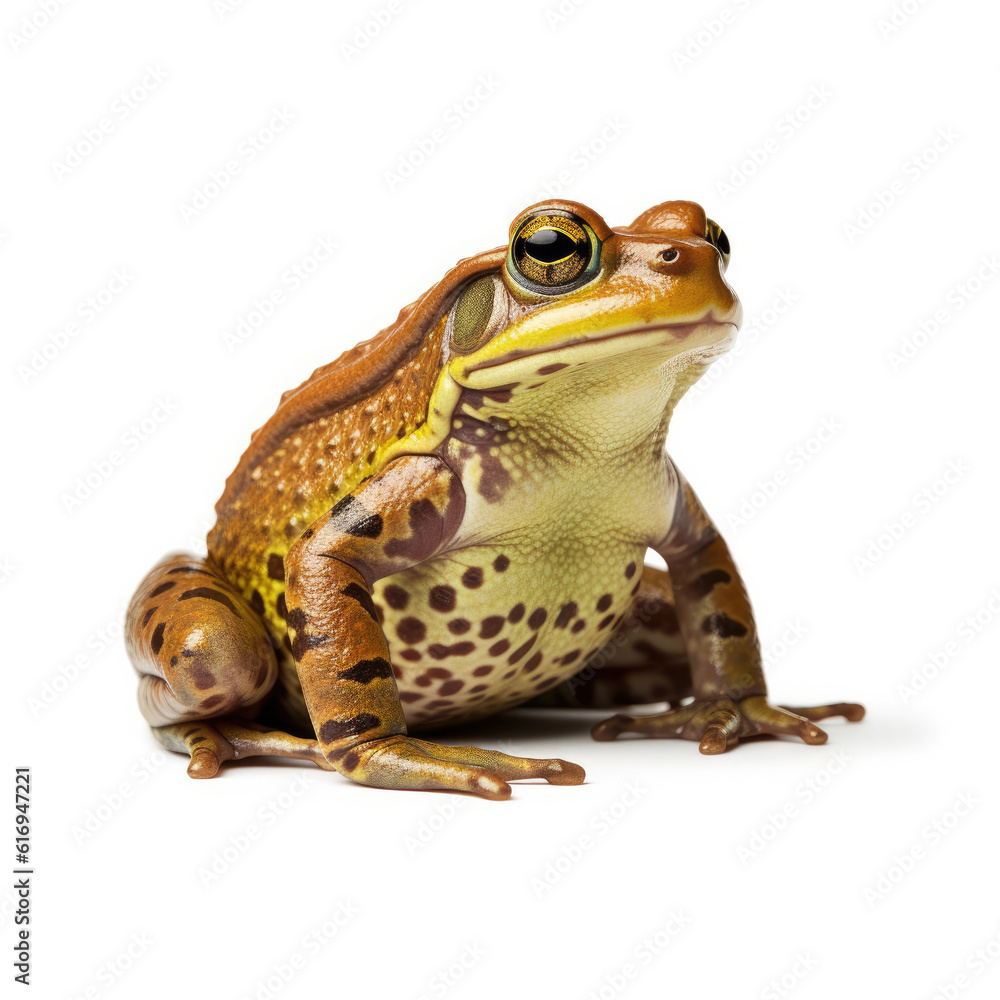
x: 880, y: 881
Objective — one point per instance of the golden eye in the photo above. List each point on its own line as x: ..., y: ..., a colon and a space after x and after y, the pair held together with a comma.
x: 716, y: 235
x: 552, y: 251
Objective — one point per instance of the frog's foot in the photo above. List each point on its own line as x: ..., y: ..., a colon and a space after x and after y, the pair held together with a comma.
x: 212, y: 743
x: 719, y: 725
x: 405, y: 762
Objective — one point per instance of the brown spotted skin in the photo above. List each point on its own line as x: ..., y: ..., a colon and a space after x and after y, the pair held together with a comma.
x: 451, y: 519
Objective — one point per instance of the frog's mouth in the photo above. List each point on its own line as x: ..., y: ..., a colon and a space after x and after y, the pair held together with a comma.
x: 673, y: 344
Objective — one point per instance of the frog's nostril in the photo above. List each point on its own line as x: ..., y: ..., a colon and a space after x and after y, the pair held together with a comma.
x: 669, y: 255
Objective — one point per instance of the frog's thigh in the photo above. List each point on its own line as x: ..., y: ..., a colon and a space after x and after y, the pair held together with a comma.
x: 643, y: 662
x: 202, y: 653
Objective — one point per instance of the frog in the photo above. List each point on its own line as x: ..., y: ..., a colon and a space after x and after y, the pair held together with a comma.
x: 454, y: 518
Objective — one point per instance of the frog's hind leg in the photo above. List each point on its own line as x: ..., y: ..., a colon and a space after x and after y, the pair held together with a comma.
x: 205, y: 663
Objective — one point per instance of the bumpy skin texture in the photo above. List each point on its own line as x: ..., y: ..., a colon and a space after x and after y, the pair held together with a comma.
x: 451, y: 519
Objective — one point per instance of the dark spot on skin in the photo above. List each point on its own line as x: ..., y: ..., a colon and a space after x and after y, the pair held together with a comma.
x: 426, y: 526
x: 411, y: 630
x: 635, y: 589
x: 459, y: 626
x: 486, y: 668
x: 257, y: 602
x: 566, y: 614
x: 369, y: 526
x: 532, y: 663
x: 521, y: 650
x: 606, y: 621
x: 379, y: 614
x: 156, y: 640
x: 537, y: 618
x: 200, y: 739
x: 439, y: 703
x: 185, y: 569
x: 571, y: 657
x: 173, y: 661
x: 370, y: 457
x: 366, y: 671
x: 501, y: 563
x: 163, y: 587
x: 473, y: 577
x: 308, y: 533
x: 442, y: 597
x: 209, y: 595
x: 410, y: 654
x: 507, y: 676
x: 515, y: 614
x: 702, y: 586
x: 303, y: 641
x: 188, y: 652
x: 438, y: 673
x: 558, y: 366
x: 604, y: 602
x: 361, y: 595
x: 281, y: 606
x: 490, y: 627
x: 214, y: 701
x: 438, y: 651
x: 410, y: 696
x: 578, y: 626
x: 275, y: 567
x: 424, y: 681
x: 396, y: 597
x: 478, y: 688
x: 500, y: 647
x: 630, y: 571
x: 723, y: 626
x: 396, y: 672
x: 149, y: 614
x: 546, y: 683
x: 333, y: 729
x: 203, y: 677
x: 450, y: 687
x: 350, y: 760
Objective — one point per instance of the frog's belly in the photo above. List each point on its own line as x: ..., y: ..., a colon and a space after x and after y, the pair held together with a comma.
x: 478, y: 631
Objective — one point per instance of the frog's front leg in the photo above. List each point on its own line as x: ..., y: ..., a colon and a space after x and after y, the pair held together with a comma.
x: 403, y: 516
x: 720, y: 636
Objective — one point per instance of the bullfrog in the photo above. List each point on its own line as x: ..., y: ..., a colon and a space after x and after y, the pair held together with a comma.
x: 452, y: 518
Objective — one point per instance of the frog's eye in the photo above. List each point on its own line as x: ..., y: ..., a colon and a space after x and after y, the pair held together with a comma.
x: 716, y: 235
x: 553, y: 252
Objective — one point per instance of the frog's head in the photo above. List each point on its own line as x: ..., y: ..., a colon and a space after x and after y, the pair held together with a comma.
x: 575, y: 294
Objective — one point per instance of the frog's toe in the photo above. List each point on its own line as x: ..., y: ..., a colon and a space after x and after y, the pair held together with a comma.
x: 408, y: 763
x: 847, y: 709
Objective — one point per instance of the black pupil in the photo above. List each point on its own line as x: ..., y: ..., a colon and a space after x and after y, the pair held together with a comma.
x: 549, y: 245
